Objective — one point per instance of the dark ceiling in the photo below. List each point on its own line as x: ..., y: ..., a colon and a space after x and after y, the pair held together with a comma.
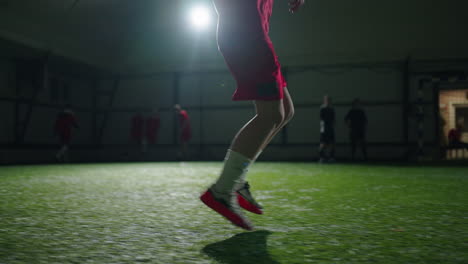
x: 153, y: 35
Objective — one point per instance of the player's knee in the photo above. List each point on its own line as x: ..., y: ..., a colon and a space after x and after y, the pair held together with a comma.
x: 288, y: 115
x: 277, y: 118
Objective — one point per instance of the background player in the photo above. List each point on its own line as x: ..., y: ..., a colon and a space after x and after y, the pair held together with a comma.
x: 185, y: 131
x: 356, y: 120
x: 243, y: 40
x: 327, y: 131
x: 64, y: 123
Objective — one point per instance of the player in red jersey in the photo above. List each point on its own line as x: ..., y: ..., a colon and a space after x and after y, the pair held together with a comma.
x: 64, y: 124
x: 243, y: 40
x: 185, y: 131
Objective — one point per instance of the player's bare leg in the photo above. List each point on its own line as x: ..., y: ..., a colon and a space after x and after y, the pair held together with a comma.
x: 269, y: 118
x: 222, y: 196
x: 288, y: 106
x: 245, y: 198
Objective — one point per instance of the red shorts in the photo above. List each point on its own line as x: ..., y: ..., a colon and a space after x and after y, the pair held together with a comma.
x: 247, y: 49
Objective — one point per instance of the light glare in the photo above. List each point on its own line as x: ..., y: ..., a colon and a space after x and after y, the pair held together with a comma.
x: 200, y: 17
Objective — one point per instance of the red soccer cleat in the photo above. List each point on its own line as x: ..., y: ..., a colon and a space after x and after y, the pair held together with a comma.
x: 248, y: 206
x: 229, y: 210
x: 246, y: 200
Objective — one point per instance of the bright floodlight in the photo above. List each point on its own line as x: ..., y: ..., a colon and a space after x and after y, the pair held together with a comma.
x: 200, y: 17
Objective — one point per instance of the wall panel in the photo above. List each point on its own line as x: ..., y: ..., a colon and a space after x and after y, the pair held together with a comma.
x: 345, y: 84
x: 41, y: 126
x: 221, y: 125
x: 7, y: 124
x: 144, y: 93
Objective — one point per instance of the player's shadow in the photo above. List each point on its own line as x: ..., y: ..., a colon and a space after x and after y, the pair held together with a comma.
x: 250, y: 247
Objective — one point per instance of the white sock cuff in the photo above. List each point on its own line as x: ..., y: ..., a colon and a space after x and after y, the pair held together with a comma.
x: 237, y: 158
x: 234, y: 171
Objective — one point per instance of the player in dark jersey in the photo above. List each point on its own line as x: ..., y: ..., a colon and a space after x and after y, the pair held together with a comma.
x: 327, y: 131
x: 185, y: 131
x: 356, y: 120
x: 243, y: 40
x: 64, y: 124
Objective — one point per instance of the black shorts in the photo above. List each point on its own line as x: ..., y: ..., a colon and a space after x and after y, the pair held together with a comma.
x: 327, y: 137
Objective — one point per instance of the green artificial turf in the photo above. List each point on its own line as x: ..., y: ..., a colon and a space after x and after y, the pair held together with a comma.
x: 150, y: 213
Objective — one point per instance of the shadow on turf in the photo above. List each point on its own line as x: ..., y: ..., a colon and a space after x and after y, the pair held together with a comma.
x: 250, y: 247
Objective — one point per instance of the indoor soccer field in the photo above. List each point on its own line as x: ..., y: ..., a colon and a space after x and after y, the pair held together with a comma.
x: 150, y: 213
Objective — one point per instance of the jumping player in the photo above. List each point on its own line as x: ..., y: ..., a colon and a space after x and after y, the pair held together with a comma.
x: 64, y: 124
x: 243, y: 40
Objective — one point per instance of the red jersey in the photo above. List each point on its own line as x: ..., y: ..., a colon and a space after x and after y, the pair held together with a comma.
x: 247, y: 49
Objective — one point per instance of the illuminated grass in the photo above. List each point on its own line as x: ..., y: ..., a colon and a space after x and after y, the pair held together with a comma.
x: 150, y: 213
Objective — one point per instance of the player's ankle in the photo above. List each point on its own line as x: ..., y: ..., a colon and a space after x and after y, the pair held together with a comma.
x: 220, y: 194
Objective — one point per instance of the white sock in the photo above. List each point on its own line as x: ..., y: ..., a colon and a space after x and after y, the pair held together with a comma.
x: 240, y: 183
x: 234, y: 172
